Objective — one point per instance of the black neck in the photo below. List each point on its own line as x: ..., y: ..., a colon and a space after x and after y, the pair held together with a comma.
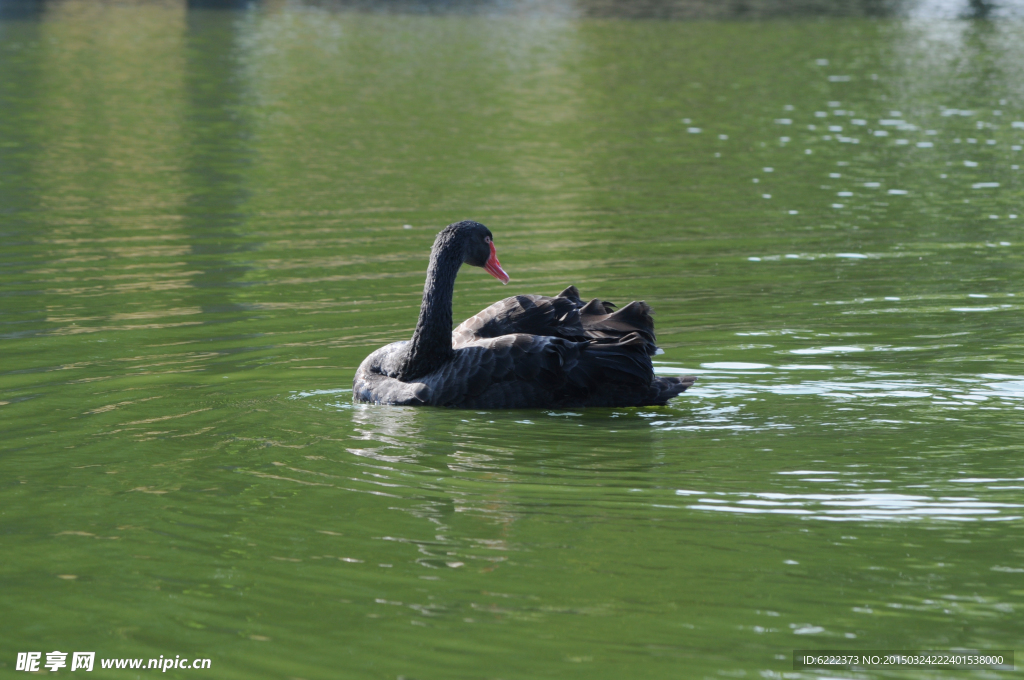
x: 431, y: 344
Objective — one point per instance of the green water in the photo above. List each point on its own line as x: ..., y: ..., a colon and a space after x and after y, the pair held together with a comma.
x: 209, y: 218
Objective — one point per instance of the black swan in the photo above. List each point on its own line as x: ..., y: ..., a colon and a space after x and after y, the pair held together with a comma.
x: 527, y: 351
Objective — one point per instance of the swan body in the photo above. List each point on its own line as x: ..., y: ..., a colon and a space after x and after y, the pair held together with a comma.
x: 526, y: 351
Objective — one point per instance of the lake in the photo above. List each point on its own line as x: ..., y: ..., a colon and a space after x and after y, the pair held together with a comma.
x: 209, y: 218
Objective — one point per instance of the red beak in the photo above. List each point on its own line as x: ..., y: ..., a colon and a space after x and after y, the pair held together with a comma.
x: 493, y: 267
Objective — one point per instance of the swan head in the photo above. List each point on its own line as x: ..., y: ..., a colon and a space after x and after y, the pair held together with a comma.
x: 477, y: 246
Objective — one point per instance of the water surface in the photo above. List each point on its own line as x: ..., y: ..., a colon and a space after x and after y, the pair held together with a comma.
x: 210, y: 218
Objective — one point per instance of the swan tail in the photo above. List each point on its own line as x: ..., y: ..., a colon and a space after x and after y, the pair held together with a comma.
x: 665, y: 388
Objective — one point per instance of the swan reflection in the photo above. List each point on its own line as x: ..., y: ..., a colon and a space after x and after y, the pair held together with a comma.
x: 393, y: 434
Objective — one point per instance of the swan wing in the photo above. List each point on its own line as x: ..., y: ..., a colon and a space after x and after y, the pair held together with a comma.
x: 635, y: 317
x: 511, y: 371
x: 563, y: 316
x: 525, y: 314
x: 537, y: 371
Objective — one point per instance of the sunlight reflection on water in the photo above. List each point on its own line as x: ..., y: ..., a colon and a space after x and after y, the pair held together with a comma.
x: 866, y: 506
